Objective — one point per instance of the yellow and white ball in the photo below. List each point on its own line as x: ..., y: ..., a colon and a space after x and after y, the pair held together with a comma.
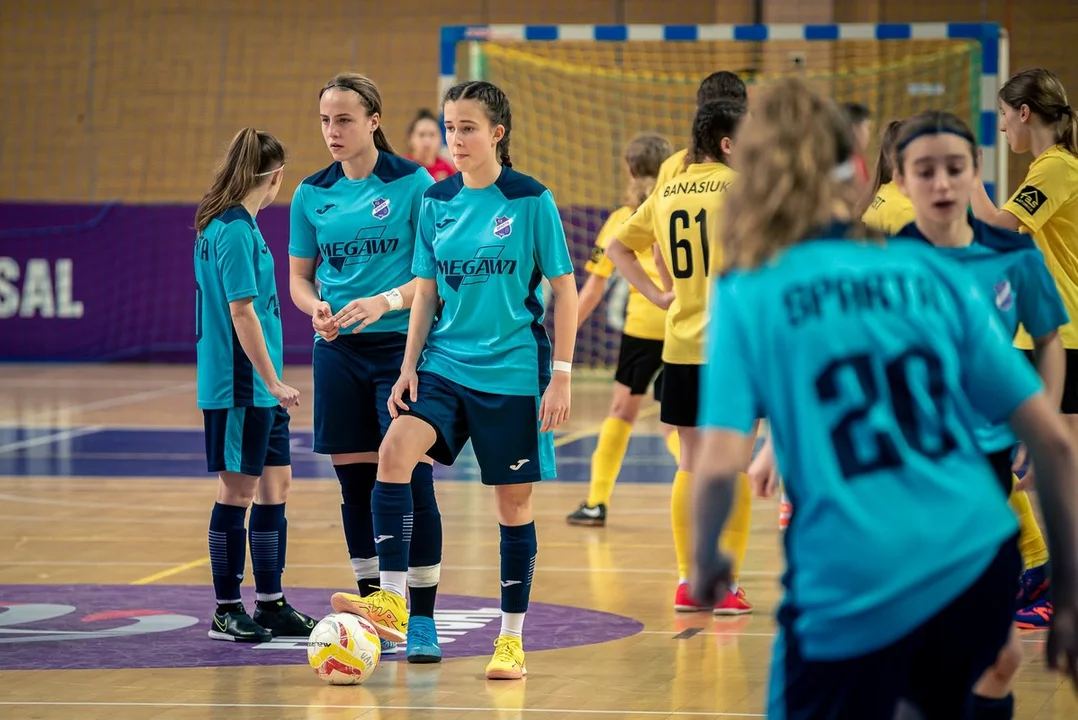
x: 343, y: 649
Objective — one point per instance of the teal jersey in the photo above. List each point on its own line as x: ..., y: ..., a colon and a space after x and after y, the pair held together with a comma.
x: 489, y: 249
x: 866, y: 359
x: 232, y: 262
x: 1011, y: 271
x: 363, y: 231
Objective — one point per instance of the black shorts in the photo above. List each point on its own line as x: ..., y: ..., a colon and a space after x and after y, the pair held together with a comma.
x: 1068, y: 405
x: 1001, y: 462
x: 933, y: 668
x: 680, y: 395
x: 639, y: 361
x: 246, y: 439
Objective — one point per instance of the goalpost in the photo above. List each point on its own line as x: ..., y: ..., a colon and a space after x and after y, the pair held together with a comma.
x: 580, y: 92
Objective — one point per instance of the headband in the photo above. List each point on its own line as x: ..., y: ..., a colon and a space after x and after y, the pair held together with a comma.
x: 935, y: 130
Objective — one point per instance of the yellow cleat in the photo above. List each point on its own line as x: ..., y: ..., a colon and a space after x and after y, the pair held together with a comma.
x: 508, y: 660
x: 382, y: 609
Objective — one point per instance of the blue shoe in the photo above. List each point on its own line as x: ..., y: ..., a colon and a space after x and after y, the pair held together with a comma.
x: 1037, y: 616
x: 388, y: 647
x: 423, y: 641
x: 1032, y: 585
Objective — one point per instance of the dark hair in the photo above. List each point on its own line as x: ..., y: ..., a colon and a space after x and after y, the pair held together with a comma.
x: 884, y: 169
x: 496, y: 105
x: 721, y: 85
x: 1044, y: 94
x: 251, y: 156
x: 644, y: 155
x: 370, y: 98
x: 421, y: 115
x: 714, y: 121
x: 931, y: 122
x: 856, y: 112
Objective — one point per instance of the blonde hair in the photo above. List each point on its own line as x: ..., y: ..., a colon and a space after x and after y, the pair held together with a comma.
x: 644, y: 156
x: 788, y: 186
x: 251, y: 157
x: 369, y: 97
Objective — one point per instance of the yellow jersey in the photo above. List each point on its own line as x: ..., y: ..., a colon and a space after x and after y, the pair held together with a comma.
x: 643, y: 318
x: 682, y: 215
x: 671, y: 168
x: 890, y: 210
x: 1047, y: 206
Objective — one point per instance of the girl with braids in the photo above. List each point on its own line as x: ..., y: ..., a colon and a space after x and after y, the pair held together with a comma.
x: 1037, y: 119
x: 867, y: 359
x: 486, y: 371
x: 359, y: 217
x: 245, y: 404
x: 683, y: 214
x: 641, y: 349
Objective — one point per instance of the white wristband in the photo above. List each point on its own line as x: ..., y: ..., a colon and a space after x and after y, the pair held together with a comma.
x: 394, y: 298
x: 562, y: 366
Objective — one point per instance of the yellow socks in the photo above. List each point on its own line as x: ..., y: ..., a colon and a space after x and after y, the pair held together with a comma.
x: 681, y: 521
x: 735, y: 536
x: 606, y: 460
x: 673, y: 444
x: 1030, y: 541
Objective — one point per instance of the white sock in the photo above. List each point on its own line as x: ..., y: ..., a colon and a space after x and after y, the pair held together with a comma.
x: 394, y: 581
x: 512, y: 624
x: 365, y: 568
x: 268, y: 597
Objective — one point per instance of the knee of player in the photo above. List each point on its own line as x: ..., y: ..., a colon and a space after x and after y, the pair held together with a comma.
x: 514, y: 501
x: 624, y: 408
x: 395, y: 458
x: 236, y: 489
x: 1010, y: 659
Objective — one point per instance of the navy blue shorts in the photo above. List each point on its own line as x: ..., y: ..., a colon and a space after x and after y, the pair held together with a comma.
x: 933, y: 668
x: 353, y: 376
x: 246, y: 439
x: 504, y: 430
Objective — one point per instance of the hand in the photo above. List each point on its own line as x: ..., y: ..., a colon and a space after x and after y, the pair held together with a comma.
x: 1021, y: 459
x: 763, y: 474
x: 363, y: 311
x: 408, y: 382
x: 286, y: 395
x: 665, y: 300
x: 323, y: 322
x: 710, y: 578
x: 554, y: 407
x: 1061, y: 650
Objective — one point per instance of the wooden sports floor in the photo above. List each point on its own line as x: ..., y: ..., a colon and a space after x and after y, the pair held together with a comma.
x: 105, y: 588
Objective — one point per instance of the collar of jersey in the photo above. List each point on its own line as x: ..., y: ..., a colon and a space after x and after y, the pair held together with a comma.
x: 834, y: 230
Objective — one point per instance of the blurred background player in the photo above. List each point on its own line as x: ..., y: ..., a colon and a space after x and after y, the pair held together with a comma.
x: 486, y: 237
x: 359, y: 217
x: 243, y: 400
x: 1038, y: 119
x: 888, y: 210
x: 640, y: 353
x: 912, y: 607
x: 936, y: 167
x: 682, y: 214
x: 425, y: 143
x: 860, y: 118
x: 720, y: 85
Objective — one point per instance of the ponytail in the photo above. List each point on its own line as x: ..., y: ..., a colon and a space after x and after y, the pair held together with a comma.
x: 885, y: 170
x: 1044, y: 94
x: 251, y: 156
x: 639, y: 189
x: 1068, y: 131
x: 382, y: 142
x: 503, y: 151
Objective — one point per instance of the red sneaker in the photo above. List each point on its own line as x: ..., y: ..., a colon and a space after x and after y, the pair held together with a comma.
x: 734, y: 604
x: 683, y: 602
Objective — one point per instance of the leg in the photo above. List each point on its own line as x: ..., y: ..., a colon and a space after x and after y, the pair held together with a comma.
x: 992, y: 698
x: 735, y: 542
x: 232, y: 451
x: 519, y: 548
x: 424, y: 566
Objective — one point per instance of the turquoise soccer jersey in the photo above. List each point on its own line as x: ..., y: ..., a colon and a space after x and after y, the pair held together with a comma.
x: 1011, y: 271
x: 363, y: 231
x: 866, y: 358
x: 232, y: 262
x: 489, y: 250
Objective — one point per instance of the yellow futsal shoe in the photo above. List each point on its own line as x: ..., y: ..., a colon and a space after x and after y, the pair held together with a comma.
x: 384, y: 610
x: 508, y: 660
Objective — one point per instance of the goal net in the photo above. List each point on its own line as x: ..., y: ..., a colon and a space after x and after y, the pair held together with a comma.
x: 579, y: 93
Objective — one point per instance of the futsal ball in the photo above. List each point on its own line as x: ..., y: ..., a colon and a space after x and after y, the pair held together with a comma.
x: 343, y: 649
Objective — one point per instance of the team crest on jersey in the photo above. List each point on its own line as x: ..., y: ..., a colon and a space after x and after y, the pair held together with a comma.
x: 380, y: 208
x: 503, y: 226
x: 1004, y: 295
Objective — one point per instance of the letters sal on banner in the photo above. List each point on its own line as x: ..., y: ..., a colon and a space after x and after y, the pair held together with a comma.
x: 40, y: 288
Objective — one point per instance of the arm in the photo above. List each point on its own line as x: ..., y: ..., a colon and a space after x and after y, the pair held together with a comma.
x: 986, y: 211
x: 660, y: 265
x: 629, y: 266
x: 590, y: 295
x: 253, y: 342
x: 423, y: 305
x: 301, y: 284
x: 1051, y: 361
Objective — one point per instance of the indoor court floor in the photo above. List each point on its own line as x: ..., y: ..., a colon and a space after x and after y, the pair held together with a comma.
x: 105, y: 593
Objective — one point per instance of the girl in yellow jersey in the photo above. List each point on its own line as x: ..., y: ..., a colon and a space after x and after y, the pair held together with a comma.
x: 1037, y: 118
x: 682, y: 215
x: 640, y: 355
x: 889, y: 210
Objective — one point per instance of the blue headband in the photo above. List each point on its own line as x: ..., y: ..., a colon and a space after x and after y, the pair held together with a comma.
x: 936, y: 130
